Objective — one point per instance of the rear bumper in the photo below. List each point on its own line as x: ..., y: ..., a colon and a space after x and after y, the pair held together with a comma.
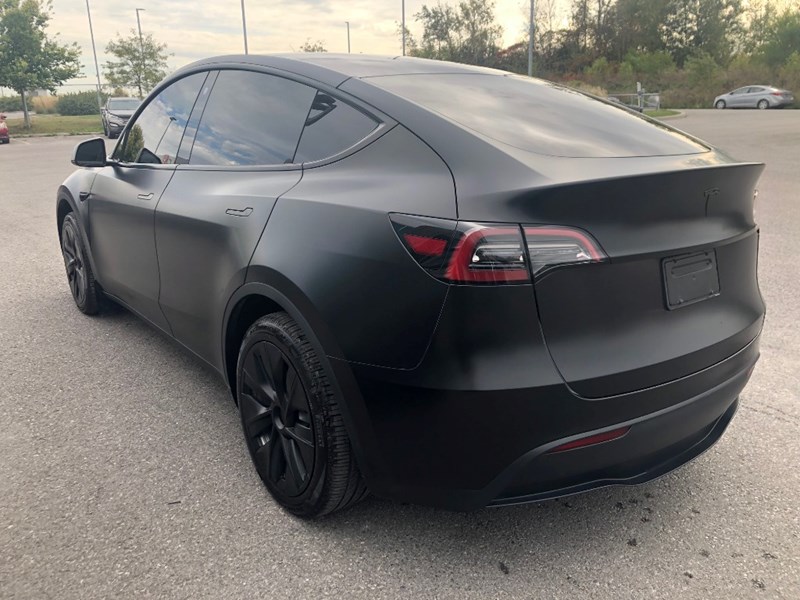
x: 655, y: 445
x: 465, y: 449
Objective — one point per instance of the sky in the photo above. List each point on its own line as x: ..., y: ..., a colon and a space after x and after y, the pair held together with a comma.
x: 194, y: 29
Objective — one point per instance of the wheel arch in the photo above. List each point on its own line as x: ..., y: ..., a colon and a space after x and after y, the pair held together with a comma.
x: 65, y: 204
x: 271, y: 292
x: 258, y: 298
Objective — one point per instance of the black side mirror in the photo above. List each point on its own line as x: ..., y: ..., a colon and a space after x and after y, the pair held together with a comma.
x: 91, y: 153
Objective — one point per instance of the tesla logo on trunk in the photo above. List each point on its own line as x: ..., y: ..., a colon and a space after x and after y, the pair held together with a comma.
x: 709, y: 195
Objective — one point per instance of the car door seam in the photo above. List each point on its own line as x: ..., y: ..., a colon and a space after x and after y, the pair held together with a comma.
x: 266, y: 222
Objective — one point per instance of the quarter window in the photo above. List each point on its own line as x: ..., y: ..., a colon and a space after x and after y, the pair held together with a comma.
x: 156, y: 134
x: 331, y: 127
x: 252, y: 119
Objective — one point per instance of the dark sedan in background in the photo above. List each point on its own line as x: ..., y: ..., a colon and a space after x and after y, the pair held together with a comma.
x: 115, y: 114
x: 755, y: 96
x: 439, y: 283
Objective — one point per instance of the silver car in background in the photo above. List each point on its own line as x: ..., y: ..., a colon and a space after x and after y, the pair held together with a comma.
x: 755, y: 96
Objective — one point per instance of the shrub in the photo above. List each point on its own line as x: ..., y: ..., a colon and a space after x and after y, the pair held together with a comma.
x: 78, y: 103
x: 43, y: 105
x: 587, y: 88
x: 790, y: 73
x: 10, y: 103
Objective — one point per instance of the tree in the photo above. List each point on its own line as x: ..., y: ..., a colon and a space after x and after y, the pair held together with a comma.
x: 140, y: 64
x: 466, y: 34
x: 694, y: 26
x: 29, y: 58
x: 309, y: 46
x: 784, y: 39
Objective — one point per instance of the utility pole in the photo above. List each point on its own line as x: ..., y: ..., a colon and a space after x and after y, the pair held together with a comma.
x: 348, y: 36
x: 404, y: 26
x: 141, y: 50
x: 94, y: 51
x: 530, y: 41
x: 244, y: 28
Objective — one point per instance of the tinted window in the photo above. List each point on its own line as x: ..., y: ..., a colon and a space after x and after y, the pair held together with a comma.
x: 156, y: 134
x: 331, y: 126
x: 538, y: 116
x: 185, y: 149
x: 251, y: 119
x: 123, y: 103
x: 755, y: 90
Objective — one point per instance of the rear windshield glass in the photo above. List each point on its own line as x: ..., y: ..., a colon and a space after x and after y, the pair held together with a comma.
x: 538, y: 116
x: 124, y: 104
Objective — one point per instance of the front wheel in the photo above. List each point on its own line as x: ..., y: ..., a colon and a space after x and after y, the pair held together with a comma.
x: 82, y: 284
x: 763, y: 105
x: 720, y: 104
x: 292, y: 421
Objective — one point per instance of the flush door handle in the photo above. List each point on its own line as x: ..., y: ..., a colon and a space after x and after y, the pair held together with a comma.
x: 239, y: 212
x: 145, y: 196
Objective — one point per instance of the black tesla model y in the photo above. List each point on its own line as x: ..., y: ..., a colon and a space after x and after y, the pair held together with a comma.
x: 444, y: 284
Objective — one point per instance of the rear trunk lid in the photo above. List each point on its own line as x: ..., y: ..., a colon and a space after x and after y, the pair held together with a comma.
x: 679, y: 290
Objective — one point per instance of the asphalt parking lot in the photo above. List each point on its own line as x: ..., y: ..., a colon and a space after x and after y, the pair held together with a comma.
x: 123, y: 472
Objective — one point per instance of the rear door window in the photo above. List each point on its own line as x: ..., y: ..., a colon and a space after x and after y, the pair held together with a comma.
x: 252, y: 119
x: 331, y: 127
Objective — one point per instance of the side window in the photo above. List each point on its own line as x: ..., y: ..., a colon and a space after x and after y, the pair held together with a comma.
x: 331, y: 126
x: 156, y: 134
x: 251, y: 119
x: 755, y: 90
x: 185, y: 149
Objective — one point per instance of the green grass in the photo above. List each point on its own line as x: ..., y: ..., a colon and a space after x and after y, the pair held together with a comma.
x: 55, y: 124
x: 661, y: 112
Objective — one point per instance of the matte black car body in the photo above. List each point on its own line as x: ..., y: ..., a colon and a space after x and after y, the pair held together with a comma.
x: 454, y: 394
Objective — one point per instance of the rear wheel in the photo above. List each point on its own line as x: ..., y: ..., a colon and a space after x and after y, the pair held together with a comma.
x: 720, y: 104
x: 292, y: 421
x: 763, y: 104
x: 82, y: 284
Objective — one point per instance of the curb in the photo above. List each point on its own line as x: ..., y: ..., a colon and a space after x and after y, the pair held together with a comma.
x: 43, y: 135
x: 681, y: 115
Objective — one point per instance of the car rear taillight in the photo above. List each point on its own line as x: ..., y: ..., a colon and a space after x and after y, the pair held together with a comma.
x: 549, y: 246
x: 484, y: 254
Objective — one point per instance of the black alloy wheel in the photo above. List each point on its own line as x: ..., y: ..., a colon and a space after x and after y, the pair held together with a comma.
x: 276, y: 418
x: 79, y: 273
x: 292, y: 420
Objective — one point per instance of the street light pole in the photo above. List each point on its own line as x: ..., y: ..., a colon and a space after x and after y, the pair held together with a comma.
x: 141, y: 50
x: 244, y: 28
x: 403, y: 9
x: 94, y: 51
x: 348, y: 36
x: 530, y: 41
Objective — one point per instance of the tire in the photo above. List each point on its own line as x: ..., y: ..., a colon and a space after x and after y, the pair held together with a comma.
x: 82, y: 284
x: 105, y: 130
x: 763, y: 104
x: 720, y: 104
x: 292, y: 422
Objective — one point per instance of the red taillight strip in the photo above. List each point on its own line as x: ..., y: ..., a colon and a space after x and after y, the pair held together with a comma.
x: 425, y: 245
x: 591, y: 440
x: 584, y: 240
x: 458, y: 267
